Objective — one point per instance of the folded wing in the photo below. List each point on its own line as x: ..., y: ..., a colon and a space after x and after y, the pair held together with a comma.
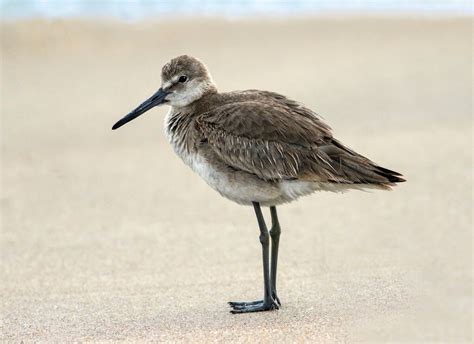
x: 280, y: 139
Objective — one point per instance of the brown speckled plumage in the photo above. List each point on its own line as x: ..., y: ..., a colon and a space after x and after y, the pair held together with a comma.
x: 273, y: 137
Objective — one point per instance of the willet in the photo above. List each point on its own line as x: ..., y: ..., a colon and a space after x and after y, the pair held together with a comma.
x: 256, y: 148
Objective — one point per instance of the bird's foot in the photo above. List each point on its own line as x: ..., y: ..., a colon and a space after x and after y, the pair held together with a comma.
x: 255, y: 306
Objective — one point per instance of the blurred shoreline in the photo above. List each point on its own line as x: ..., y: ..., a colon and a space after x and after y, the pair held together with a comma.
x: 332, y: 16
x: 139, y: 10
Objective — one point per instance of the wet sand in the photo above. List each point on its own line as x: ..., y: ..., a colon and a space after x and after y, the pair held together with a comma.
x: 108, y: 236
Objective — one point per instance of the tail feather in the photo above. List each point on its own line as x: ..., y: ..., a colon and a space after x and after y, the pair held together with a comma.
x: 357, y: 169
x: 392, y: 176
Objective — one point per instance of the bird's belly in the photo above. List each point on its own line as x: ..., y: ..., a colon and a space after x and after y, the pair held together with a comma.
x: 242, y: 187
x: 238, y: 186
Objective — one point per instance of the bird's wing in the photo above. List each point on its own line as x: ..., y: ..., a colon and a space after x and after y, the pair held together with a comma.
x: 272, y: 139
x: 280, y: 139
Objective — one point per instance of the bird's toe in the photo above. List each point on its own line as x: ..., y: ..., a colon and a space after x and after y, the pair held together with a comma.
x: 253, y: 306
x: 244, y: 303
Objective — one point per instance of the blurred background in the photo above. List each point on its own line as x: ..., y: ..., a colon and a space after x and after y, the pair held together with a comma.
x: 141, y: 9
x: 109, y: 236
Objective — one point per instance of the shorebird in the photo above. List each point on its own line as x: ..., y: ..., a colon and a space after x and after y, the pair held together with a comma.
x: 256, y: 148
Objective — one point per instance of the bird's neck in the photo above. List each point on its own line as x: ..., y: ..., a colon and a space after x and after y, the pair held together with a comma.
x: 195, y: 107
x: 202, y: 90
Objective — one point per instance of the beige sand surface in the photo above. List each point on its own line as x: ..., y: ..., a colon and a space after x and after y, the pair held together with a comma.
x: 108, y: 236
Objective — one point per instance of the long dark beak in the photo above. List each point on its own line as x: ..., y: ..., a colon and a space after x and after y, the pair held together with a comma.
x: 156, y: 99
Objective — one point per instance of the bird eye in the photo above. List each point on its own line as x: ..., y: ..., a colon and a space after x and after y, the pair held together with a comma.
x: 183, y: 78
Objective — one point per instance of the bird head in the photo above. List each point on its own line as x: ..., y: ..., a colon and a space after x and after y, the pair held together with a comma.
x: 184, y: 80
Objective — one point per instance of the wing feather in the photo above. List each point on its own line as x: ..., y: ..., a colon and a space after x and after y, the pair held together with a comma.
x: 267, y: 140
x: 280, y: 139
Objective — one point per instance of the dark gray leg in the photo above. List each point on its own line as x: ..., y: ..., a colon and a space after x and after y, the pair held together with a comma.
x: 275, y: 235
x: 268, y: 303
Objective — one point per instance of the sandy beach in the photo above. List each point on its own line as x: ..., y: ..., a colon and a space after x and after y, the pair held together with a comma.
x: 108, y: 236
